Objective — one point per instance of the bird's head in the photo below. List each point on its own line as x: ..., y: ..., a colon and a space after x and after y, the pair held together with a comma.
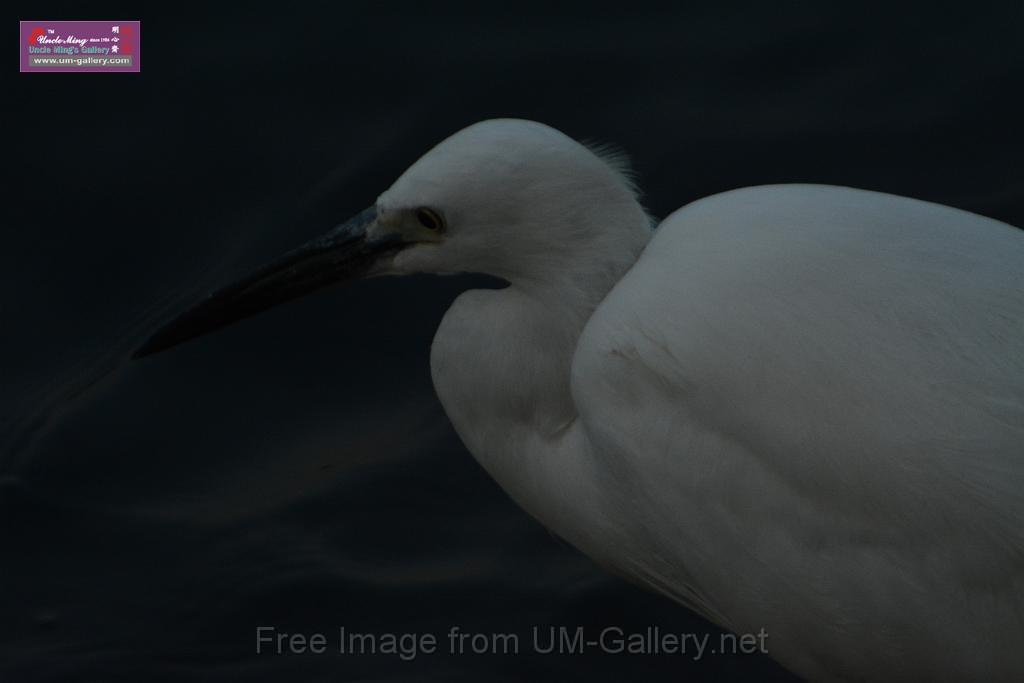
x: 509, y: 198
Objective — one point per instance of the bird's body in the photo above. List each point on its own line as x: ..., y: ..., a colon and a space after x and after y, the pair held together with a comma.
x: 793, y: 408
x: 795, y: 412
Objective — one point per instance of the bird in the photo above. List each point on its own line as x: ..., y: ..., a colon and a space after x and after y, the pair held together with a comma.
x: 794, y: 409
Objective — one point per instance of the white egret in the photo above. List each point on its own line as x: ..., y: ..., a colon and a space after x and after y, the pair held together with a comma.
x: 794, y: 407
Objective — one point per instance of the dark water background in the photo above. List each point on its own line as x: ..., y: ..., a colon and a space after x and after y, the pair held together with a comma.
x: 297, y: 470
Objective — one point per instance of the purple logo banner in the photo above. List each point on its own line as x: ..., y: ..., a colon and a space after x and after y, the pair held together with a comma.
x: 80, y: 46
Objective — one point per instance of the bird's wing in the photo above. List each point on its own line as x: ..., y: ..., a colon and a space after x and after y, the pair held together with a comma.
x: 797, y: 379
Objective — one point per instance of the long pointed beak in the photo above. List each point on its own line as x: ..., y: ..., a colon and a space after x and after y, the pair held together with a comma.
x: 345, y: 253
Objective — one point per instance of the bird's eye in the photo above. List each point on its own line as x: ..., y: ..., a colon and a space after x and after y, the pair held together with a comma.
x: 429, y: 219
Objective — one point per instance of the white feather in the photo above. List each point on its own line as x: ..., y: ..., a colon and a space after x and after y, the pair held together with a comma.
x: 800, y: 408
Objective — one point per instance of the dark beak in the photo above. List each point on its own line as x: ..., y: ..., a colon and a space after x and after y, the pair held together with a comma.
x: 344, y: 253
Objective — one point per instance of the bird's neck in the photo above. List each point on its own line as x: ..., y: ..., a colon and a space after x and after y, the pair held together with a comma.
x: 501, y: 363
